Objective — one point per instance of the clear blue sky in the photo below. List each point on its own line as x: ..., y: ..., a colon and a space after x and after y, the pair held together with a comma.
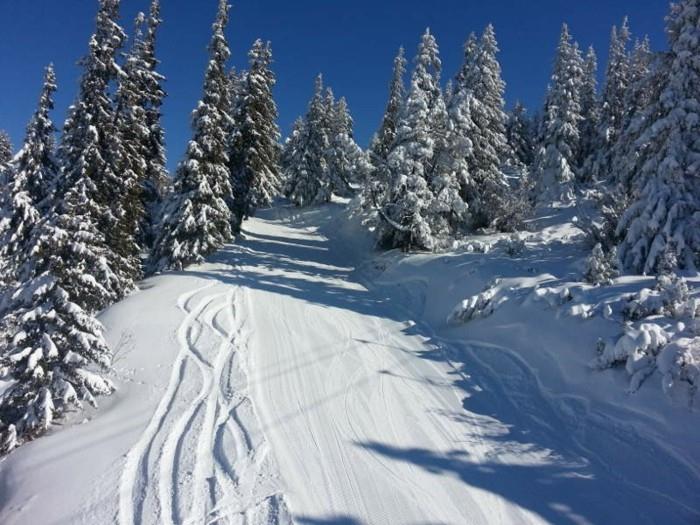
x: 352, y: 43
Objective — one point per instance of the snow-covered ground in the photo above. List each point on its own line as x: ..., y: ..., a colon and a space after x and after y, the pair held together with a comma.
x: 297, y: 377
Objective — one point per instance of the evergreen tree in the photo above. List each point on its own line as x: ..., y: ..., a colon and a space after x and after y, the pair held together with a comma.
x: 613, y: 107
x: 54, y: 356
x: 590, y: 112
x: 52, y: 349
x: 255, y: 149
x: 378, y: 179
x: 33, y: 175
x: 155, y: 183
x: 347, y: 163
x: 644, y: 88
x: 405, y: 221
x: 305, y: 165
x: 519, y: 134
x: 555, y: 161
x: 90, y: 150
x: 484, y: 89
x: 616, y: 82
x: 5, y: 150
x: 665, y: 214
x: 197, y: 221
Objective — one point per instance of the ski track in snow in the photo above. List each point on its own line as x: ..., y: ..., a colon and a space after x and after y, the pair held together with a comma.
x: 201, y: 458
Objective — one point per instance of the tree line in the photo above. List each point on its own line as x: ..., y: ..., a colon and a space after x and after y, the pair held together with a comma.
x: 84, y: 219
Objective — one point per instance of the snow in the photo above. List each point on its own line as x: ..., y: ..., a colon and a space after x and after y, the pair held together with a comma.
x: 296, y: 376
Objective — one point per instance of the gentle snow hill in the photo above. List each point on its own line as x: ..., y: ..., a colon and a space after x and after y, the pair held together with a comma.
x: 300, y: 377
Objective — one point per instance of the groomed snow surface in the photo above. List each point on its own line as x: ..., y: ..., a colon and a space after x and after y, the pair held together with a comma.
x: 299, y: 378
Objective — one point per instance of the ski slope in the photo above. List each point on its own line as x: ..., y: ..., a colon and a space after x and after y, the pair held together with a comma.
x: 282, y: 383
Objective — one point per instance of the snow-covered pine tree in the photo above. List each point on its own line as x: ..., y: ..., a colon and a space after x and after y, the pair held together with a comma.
x: 616, y: 82
x: 5, y: 150
x: 305, y: 166
x: 156, y: 182
x: 53, y: 352
x: 405, y: 221
x: 53, y: 355
x: 90, y: 149
x: 347, y: 163
x: 33, y: 175
x: 665, y: 214
x: 613, y: 108
x: 490, y: 151
x: 255, y: 152
x: 519, y: 134
x: 375, y: 187
x: 590, y: 114
x: 555, y: 161
x: 134, y: 144
x: 197, y: 219
x: 644, y: 88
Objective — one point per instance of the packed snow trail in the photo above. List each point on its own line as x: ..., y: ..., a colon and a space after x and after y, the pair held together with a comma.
x: 202, y: 458
x: 369, y: 419
x: 271, y: 386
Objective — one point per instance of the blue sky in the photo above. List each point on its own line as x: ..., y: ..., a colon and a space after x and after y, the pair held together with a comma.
x: 351, y: 43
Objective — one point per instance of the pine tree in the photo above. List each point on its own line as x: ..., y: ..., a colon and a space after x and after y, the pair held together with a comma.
x: 33, y: 175
x: 197, y: 221
x: 255, y: 150
x: 305, y: 165
x: 484, y: 87
x: 616, y: 82
x: 377, y: 183
x: 5, y: 149
x: 53, y: 354
x: 90, y: 151
x: 590, y: 113
x: 347, y: 163
x: 519, y: 134
x: 645, y: 86
x: 665, y: 214
x: 53, y: 350
x: 156, y: 182
x: 613, y: 108
x: 555, y: 161
x: 405, y: 221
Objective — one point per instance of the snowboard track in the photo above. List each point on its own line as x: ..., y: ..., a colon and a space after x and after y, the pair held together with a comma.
x: 201, y: 459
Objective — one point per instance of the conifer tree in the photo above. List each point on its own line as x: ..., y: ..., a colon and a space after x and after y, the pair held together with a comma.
x: 347, y: 163
x: 519, y: 134
x: 90, y: 151
x: 33, y: 175
x: 555, y: 162
x: 484, y: 88
x: 405, y: 221
x: 644, y: 88
x: 616, y: 82
x: 613, y: 110
x: 5, y: 150
x: 53, y: 351
x: 305, y: 165
x: 378, y: 180
x: 197, y: 221
x: 254, y: 156
x: 142, y: 66
x: 665, y: 214
x: 590, y: 112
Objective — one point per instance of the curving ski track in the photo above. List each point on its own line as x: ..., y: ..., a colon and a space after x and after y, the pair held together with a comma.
x: 202, y: 458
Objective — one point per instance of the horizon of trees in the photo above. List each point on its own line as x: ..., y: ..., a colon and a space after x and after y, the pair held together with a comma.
x: 84, y: 218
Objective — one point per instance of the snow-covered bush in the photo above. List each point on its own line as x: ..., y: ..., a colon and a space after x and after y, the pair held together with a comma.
x: 513, y: 246
x: 649, y: 348
x: 600, y: 266
x: 478, y: 306
x: 670, y: 297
